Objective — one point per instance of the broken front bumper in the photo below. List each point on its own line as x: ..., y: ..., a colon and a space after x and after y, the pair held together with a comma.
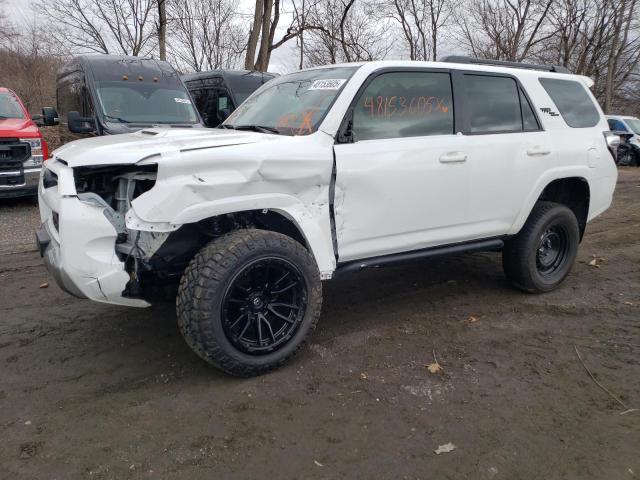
x: 77, y: 243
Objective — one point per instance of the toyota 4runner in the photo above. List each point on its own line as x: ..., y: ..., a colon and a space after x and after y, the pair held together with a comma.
x: 322, y: 172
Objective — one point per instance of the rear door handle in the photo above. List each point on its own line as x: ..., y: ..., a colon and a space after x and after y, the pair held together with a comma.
x: 538, y: 151
x: 453, y: 157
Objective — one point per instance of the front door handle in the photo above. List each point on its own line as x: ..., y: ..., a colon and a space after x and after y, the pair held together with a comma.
x: 538, y: 151
x: 453, y: 157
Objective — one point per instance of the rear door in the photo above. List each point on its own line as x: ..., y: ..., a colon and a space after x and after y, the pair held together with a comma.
x: 507, y: 149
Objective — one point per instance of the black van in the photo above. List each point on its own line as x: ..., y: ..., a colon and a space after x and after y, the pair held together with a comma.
x: 217, y: 93
x: 110, y: 94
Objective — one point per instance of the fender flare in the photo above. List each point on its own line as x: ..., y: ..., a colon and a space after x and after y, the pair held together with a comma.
x: 581, y: 172
x: 312, y: 221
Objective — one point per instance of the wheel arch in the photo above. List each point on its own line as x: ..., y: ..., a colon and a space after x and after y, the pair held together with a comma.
x: 574, y: 193
x: 308, y: 225
x: 571, y: 189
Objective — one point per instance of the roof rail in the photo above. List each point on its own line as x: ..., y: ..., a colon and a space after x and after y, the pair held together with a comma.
x: 503, y: 63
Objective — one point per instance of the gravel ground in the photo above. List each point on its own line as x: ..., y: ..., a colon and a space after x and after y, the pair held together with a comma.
x: 19, y: 219
x: 101, y: 392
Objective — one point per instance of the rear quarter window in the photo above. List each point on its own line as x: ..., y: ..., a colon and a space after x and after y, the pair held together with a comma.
x: 572, y: 101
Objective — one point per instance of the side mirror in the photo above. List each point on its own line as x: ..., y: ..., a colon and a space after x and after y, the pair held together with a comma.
x: 37, y: 119
x: 49, y: 117
x: 78, y: 124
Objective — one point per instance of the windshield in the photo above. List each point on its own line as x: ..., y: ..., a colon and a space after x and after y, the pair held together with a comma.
x: 9, y: 106
x: 634, y: 124
x: 293, y: 104
x: 145, y: 103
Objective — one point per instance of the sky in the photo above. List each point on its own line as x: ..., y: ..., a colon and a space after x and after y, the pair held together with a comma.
x: 20, y: 12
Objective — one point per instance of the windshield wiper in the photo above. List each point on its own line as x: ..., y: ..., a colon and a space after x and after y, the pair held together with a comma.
x: 118, y: 119
x: 256, y: 128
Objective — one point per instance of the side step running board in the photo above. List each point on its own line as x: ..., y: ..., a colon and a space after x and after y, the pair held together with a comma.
x: 479, y: 246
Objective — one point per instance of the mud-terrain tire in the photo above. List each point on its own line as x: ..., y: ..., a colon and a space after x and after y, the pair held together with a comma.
x: 541, y: 255
x: 223, y: 281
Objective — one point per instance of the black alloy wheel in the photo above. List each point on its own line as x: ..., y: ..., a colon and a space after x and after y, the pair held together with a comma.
x: 264, y: 305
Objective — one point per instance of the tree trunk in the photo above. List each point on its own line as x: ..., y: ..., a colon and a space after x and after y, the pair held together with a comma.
x: 265, y: 38
x: 162, y: 29
x: 611, y: 61
x: 254, y: 34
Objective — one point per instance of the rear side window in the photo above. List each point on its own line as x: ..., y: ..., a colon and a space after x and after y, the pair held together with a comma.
x: 529, y: 120
x: 573, y: 102
x: 493, y: 103
x: 497, y: 105
x: 404, y: 104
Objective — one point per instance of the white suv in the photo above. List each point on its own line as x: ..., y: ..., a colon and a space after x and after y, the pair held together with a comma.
x: 321, y: 172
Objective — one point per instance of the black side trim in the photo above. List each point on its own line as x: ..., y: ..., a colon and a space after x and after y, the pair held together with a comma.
x: 469, y: 247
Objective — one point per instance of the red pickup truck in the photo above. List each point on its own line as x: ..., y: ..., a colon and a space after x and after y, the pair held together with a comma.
x: 22, y: 148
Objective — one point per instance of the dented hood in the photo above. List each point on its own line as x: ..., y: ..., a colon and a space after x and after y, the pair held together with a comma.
x: 150, y: 144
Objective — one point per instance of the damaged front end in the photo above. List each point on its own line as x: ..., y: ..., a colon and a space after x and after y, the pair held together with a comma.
x: 153, y: 274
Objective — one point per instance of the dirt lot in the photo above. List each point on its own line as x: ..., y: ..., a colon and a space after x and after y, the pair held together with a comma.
x: 101, y: 392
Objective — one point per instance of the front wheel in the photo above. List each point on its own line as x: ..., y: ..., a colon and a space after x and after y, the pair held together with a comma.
x: 541, y: 255
x: 248, y: 301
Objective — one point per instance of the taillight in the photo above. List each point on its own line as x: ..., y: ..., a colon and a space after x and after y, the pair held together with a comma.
x: 613, y: 142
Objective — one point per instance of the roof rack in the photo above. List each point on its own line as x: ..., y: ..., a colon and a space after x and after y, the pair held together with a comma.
x: 503, y: 63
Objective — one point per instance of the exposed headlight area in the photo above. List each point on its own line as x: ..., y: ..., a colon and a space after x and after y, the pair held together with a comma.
x: 37, y: 156
x: 118, y: 185
x: 114, y: 188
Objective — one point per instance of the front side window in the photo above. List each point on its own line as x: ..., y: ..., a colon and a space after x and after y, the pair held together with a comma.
x: 493, y: 104
x: 404, y: 104
x: 129, y: 102
x: 69, y: 95
x: 573, y: 102
x: 294, y: 104
x: 9, y: 107
x: 213, y: 103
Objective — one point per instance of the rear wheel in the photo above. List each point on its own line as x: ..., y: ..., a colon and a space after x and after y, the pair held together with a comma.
x: 541, y: 255
x: 248, y: 301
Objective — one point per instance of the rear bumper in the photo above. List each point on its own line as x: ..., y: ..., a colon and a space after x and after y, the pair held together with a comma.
x: 28, y: 186
x: 77, y: 244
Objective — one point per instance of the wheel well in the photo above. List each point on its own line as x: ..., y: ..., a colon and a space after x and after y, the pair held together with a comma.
x: 169, y: 262
x: 572, y: 192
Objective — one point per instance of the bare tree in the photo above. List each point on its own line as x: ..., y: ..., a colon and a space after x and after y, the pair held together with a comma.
x: 7, y: 30
x: 599, y: 39
x: 421, y: 22
x: 28, y: 64
x: 345, y: 31
x: 504, y: 29
x: 161, y: 27
x: 103, y: 26
x: 261, y: 34
x: 624, y: 53
x: 205, y: 34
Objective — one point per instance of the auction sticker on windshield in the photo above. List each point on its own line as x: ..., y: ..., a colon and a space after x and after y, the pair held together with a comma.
x: 182, y: 100
x: 328, y: 84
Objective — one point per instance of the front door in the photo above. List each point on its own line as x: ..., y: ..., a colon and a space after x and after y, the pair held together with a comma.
x: 402, y: 183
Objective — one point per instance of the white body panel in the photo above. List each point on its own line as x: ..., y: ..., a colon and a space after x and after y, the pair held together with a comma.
x: 391, y: 195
